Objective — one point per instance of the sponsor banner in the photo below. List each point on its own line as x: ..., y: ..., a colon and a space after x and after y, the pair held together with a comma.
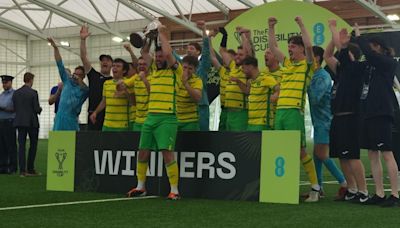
x: 280, y: 165
x: 212, y: 165
x: 315, y: 19
x: 256, y: 19
x: 61, y: 161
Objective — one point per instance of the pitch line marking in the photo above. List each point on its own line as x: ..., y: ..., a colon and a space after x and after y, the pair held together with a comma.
x: 74, y: 203
x: 302, y: 183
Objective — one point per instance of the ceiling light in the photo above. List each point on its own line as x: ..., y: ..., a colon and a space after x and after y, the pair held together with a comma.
x: 393, y: 17
x: 117, y: 39
x: 64, y: 43
x: 128, y: 38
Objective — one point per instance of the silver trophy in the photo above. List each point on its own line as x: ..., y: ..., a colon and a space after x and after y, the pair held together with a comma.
x: 150, y: 33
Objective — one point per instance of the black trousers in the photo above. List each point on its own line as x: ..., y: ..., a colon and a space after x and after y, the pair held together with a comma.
x: 8, y: 146
x: 98, y: 126
x: 33, y: 139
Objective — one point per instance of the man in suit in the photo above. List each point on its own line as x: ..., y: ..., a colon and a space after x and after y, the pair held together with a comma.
x: 27, y: 108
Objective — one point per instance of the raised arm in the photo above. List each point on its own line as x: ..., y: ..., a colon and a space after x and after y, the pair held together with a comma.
x: 306, y: 40
x: 213, y: 56
x: 272, y: 44
x: 329, y: 57
x: 129, y: 49
x: 379, y: 60
x: 146, y: 82
x: 245, y: 35
x: 57, y: 55
x: 84, y: 34
x: 335, y: 34
x: 165, y: 46
x: 205, y: 62
x: 226, y: 57
x: 145, y: 52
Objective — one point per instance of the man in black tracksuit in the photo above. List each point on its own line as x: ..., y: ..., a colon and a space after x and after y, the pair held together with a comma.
x: 344, y: 143
x: 377, y: 112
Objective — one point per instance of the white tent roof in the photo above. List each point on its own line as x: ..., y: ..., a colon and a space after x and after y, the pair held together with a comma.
x: 110, y: 10
x: 34, y: 16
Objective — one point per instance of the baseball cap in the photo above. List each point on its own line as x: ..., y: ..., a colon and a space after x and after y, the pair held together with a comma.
x: 101, y: 57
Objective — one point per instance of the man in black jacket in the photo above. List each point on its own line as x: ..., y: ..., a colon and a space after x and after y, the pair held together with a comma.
x: 27, y: 108
x: 377, y: 113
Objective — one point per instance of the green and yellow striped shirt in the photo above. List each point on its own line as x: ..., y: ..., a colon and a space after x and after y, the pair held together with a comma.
x: 163, y: 89
x: 141, y: 97
x: 295, y: 78
x: 234, y: 97
x: 186, y: 107
x: 117, y: 108
x: 261, y: 89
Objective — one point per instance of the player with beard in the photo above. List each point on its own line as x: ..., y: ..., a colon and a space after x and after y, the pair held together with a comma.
x: 235, y: 99
x: 261, y: 89
x: 273, y: 70
x: 160, y: 126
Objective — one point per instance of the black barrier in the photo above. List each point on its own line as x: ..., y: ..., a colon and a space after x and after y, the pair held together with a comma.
x: 213, y: 165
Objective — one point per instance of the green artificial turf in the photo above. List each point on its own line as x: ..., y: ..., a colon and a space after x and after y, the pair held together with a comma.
x: 20, y: 191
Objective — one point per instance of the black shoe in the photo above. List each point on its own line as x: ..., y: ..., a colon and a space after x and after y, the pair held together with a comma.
x: 349, y: 196
x: 362, y: 198
x: 391, y: 201
x: 375, y: 200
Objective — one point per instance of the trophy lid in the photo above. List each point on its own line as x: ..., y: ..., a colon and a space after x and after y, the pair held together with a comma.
x: 152, y: 26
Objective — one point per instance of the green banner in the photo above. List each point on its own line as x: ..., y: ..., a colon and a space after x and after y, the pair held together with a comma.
x: 314, y: 17
x: 61, y: 161
x: 280, y: 165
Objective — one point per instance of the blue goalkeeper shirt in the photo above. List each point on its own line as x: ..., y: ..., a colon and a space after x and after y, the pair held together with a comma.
x: 319, y: 97
x: 72, y: 97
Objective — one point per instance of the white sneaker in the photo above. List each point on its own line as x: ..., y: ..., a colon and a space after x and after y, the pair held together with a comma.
x: 312, y: 197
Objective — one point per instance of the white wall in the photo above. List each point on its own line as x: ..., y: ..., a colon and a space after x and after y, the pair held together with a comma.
x: 19, y: 53
x: 43, y: 66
